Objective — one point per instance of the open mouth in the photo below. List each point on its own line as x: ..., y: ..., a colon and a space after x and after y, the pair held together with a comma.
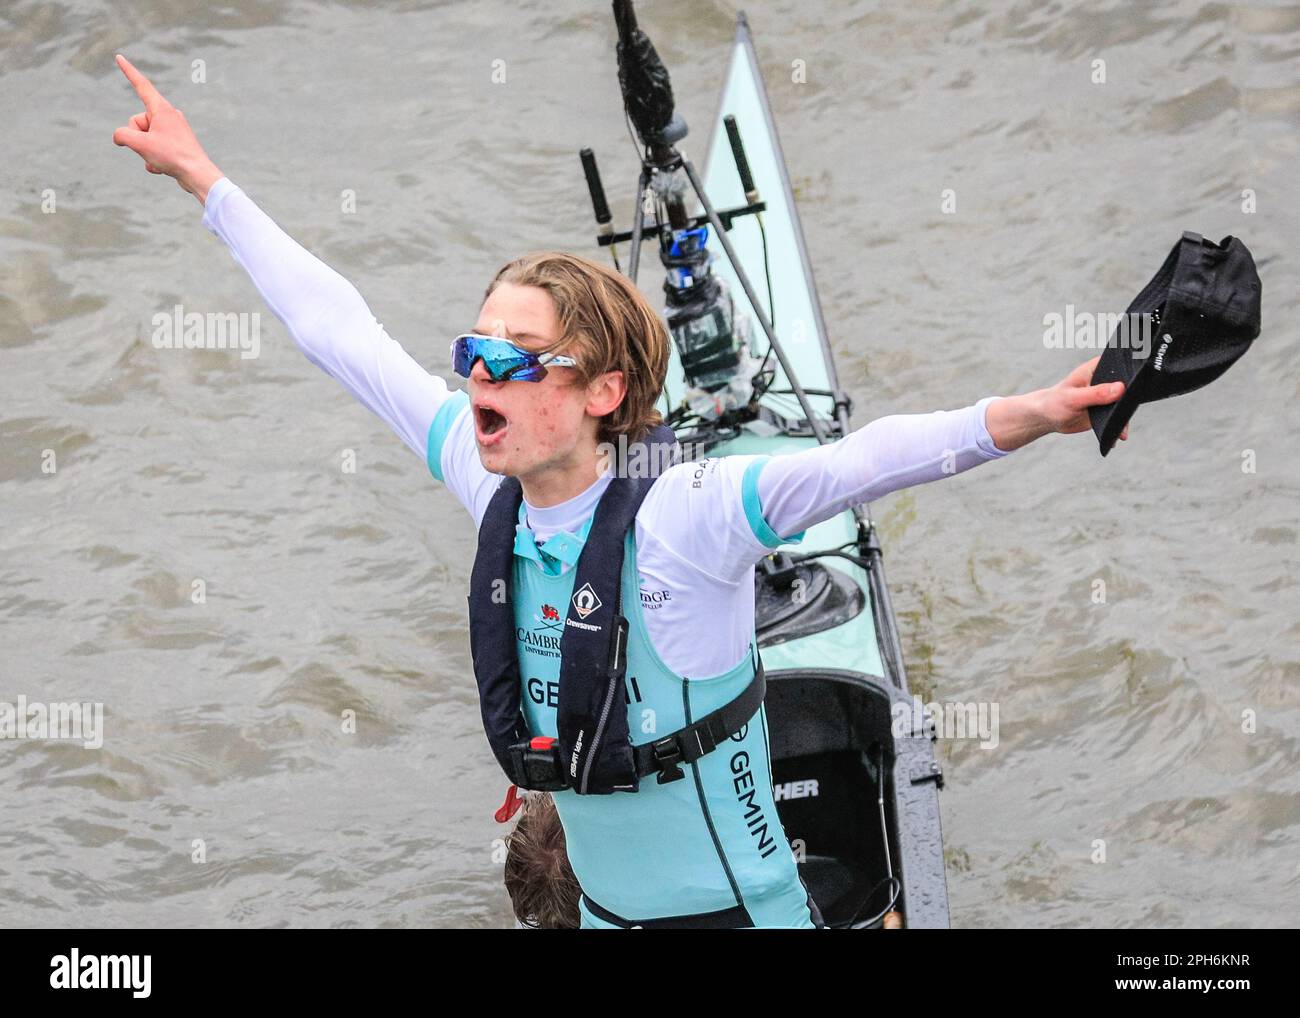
x: 489, y: 423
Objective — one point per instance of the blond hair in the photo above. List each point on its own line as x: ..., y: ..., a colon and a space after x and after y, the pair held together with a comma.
x: 606, y: 324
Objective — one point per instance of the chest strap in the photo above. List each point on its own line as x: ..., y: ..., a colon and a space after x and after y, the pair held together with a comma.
x: 537, y: 764
x: 686, y: 745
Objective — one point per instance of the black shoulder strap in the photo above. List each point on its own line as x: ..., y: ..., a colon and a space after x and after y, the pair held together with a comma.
x: 591, y: 719
x: 492, y: 623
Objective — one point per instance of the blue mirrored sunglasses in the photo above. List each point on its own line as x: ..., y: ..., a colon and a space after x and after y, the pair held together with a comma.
x: 503, y: 360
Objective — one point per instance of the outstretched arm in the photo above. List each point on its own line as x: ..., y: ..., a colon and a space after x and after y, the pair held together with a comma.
x: 324, y: 313
x: 801, y: 489
x: 736, y: 508
x: 903, y: 450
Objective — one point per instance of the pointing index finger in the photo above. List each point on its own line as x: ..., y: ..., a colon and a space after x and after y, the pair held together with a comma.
x: 149, y: 95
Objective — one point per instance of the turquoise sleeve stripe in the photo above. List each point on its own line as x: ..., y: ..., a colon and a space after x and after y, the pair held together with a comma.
x: 442, y: 422
x: 754, y: 507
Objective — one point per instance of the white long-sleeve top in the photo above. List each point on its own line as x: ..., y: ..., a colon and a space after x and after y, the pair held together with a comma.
x: 698, y: 535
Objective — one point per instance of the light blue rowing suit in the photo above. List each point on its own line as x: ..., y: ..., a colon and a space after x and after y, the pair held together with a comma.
x: 707, y: 843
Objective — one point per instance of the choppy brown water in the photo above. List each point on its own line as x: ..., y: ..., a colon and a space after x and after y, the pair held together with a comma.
x: 330, y: 591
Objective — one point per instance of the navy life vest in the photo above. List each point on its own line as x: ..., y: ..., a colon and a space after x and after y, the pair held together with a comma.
x: 593, y: 753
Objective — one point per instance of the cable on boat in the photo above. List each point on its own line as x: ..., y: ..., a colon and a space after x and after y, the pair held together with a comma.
x: 889, y: 877
x: 807, y: 556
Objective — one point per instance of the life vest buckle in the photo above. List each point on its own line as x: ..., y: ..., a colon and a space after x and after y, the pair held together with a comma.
x: 536, y: 765
x: 667, y: 755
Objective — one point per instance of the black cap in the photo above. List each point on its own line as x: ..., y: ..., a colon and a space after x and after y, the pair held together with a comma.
x: 1203, y: 306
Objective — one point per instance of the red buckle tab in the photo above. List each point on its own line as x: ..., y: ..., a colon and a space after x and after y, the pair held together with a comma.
x: 541, y: 742
x: 510, y: 807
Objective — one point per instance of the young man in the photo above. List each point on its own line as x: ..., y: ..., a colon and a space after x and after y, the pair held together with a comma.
x: 565, y: 355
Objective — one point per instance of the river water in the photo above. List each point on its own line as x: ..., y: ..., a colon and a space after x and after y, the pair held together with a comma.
x: 183, y: 542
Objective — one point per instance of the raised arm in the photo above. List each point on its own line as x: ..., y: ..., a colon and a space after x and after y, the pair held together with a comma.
x: 327, y: 317
x: 324, y: 313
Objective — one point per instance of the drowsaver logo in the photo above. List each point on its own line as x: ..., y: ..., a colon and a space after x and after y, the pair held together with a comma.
x: 585, y: 601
